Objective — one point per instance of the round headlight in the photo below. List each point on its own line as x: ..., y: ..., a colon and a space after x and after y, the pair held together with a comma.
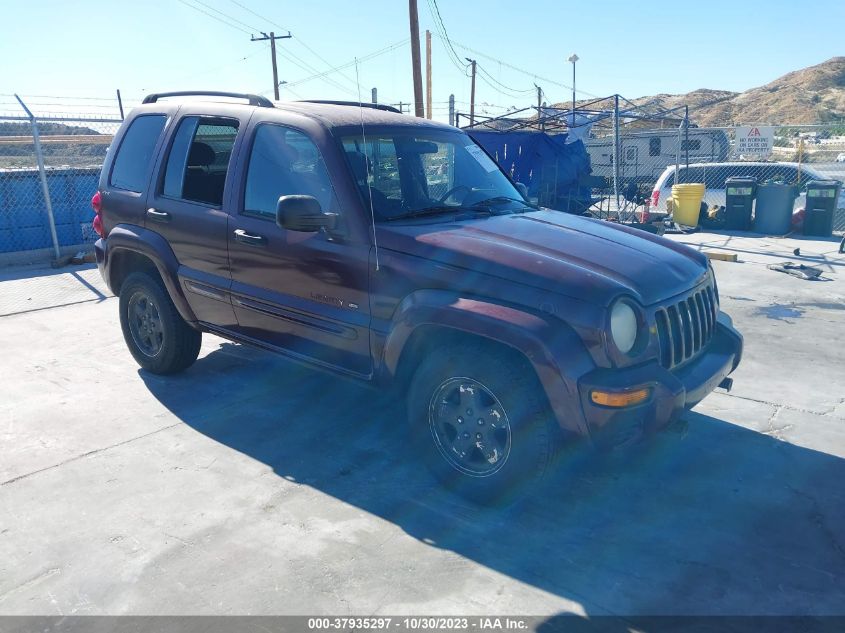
x: 623, y: 326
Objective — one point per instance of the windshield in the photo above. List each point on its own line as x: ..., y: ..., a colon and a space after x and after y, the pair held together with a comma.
x: 413, y: 172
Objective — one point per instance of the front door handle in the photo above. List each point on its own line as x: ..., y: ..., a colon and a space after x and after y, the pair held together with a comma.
x: 250, y: 238
x: 158, y: 216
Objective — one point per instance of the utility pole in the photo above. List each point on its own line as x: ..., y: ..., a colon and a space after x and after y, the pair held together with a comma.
x: 540, y: 125
x: 427, y: 74
x: 272, y: 37
x: 452, y: 119
x: 415, y: 58
x: 375, y: 95
x: 472, y: 94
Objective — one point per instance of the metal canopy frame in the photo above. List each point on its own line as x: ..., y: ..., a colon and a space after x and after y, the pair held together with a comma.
x: 543, y: 120
x: 540, y: 118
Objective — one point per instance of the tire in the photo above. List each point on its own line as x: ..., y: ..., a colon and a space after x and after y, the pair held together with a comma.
x: 157, y: 336
x: 496, y: 398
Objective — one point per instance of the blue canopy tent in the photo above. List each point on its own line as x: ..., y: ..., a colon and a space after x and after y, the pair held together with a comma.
x: 549, y: 166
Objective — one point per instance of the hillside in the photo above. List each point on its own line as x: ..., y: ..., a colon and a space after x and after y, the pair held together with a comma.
x: 11, y: 128
x: 812, y: 95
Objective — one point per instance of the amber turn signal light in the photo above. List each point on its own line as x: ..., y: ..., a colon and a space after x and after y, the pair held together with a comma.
x: 620, y: 399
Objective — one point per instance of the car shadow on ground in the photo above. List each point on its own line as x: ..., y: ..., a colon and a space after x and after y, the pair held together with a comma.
x: 708, y: 518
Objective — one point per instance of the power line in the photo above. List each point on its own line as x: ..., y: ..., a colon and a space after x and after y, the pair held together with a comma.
x: 214, y: 17
x: 440, y: 26
x: 304, y: 65
x: 514, y: 92
x: 225, y: 15
x: 260, y: 17
x: 222, y: 66
x: 296, y: 38
x: 522, y: 70
x: 233, y: 22
x: 321, y: 58
x: 340, y: 67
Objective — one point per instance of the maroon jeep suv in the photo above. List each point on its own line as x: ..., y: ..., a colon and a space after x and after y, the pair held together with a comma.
x: 394, y: 250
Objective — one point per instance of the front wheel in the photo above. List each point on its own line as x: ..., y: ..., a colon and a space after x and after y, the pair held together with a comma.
x: 480, y: 421
x: 157, y: 336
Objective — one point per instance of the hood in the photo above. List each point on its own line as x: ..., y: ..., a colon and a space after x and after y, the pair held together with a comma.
x: 591, y: 260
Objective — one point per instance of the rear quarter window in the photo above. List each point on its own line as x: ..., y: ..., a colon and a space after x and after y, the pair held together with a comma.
x: 132, y: 161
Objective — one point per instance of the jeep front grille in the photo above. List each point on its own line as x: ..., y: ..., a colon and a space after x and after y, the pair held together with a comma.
x: 684, y: 328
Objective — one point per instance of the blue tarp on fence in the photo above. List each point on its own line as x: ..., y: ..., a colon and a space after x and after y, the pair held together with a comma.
x: 548, y: 165
x: 23, y: 213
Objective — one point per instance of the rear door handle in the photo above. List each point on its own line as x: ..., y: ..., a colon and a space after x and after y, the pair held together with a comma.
x: 158, y: 216
x: 250, y: 238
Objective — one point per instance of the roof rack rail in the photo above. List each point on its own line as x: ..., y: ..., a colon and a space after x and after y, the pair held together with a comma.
x: 357, y: 104
x: 254, y: 100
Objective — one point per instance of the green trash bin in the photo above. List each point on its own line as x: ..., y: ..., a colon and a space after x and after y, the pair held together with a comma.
x: 773, y: 210
x: 739, y: 202
x: 822, y: 196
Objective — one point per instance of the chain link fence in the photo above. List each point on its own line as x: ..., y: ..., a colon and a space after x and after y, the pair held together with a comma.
x: 649, y: 159
x: 50, y: 163
x: 49, y: 168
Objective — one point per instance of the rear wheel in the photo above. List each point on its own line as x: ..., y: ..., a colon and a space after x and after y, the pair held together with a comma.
x: 480, y: 421
x: 157, y: 336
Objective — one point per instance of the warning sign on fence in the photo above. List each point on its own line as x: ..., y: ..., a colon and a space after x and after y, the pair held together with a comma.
x: 754, y: 141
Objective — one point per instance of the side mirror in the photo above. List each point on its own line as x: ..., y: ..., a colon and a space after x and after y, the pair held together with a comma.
x: 522, y: 189
x: 303, y: 213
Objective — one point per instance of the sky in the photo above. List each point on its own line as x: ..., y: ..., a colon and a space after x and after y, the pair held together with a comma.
x: 76, y: 54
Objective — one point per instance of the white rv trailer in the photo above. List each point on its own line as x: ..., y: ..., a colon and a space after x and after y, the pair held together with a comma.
x: 646, y: 153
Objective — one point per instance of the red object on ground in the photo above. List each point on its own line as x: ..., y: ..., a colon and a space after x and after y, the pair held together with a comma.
x: 798, y: 220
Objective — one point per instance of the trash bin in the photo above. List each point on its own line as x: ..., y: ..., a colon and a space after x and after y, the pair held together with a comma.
x: 773, y: 212
x: 686, y: 203
x: 822, y: 196
x: 739, y: 193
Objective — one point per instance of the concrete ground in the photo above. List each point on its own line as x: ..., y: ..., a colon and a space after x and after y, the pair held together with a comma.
x: 249, y: 485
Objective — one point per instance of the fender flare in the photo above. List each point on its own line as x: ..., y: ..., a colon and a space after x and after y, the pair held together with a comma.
x: 126, y: 237
x: 552, y: 347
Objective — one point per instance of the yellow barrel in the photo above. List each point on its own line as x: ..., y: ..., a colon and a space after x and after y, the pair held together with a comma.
x: 686, y: 203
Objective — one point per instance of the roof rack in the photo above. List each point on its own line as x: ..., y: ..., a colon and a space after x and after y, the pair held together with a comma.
x: 357, y: 104
x: 254, y: 100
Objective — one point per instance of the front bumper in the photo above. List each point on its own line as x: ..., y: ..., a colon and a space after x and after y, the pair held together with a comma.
x: 671, y: 391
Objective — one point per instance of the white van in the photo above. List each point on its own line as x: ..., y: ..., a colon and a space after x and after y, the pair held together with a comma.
x: 644, y: 155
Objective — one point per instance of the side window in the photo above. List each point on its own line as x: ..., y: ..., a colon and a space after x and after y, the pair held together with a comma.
x: 691, y: 145
x: 199, y: 159
x: 135, y: 152
x: 654, y: 146
x: 284, y: 162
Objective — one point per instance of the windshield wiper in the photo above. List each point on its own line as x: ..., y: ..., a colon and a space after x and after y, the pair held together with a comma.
x: 438, y: 210
x: 495, y: 199
x: 482, y: 206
